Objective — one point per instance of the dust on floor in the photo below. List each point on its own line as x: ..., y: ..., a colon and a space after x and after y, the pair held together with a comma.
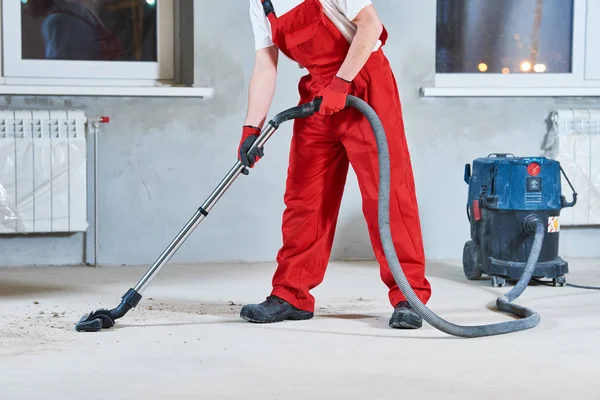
x: 186, y: 340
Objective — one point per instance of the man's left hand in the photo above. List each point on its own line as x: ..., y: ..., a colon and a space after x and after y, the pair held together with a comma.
x: 334, y: 96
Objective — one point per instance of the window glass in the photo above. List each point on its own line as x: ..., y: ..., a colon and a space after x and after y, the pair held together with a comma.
x: 89, y: 30
x: 504, y: 36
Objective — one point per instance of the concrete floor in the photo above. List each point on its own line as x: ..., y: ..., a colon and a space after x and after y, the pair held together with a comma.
x: 186, y: 341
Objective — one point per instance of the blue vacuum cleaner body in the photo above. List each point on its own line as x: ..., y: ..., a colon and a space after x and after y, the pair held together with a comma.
x: 503, y: 191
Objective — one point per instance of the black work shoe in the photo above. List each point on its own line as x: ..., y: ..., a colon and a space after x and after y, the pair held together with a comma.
x: 404, y: 317
x: 272, y: 310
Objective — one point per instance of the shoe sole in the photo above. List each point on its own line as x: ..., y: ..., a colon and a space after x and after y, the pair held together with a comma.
x: 405, y: 325
x: 292, y: 316
x: 406, y: 321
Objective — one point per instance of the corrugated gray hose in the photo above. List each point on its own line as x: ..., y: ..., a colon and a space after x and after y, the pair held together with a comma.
x: 529, y: 317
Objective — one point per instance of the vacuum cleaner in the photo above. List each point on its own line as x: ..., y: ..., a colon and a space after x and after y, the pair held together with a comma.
x: 505, y: 193
x: 532, y: 227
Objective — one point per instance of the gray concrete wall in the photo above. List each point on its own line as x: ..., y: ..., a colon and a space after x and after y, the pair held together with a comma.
x: 160, y: 158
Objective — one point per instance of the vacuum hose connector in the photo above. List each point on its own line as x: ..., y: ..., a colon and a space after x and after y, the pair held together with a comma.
x: 530, y: 224
x: 529, y: 317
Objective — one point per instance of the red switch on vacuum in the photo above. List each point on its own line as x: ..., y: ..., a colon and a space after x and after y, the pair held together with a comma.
x: 534, y: 169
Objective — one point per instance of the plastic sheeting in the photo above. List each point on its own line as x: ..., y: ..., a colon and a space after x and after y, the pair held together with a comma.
x: 574, y: 141
x: 42, y: 172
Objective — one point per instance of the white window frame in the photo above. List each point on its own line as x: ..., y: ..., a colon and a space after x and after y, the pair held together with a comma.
x: 584, y: 79
x: 93, y: 78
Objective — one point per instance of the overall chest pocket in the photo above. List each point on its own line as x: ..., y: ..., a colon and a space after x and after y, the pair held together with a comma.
x: 305, y: 41
x: 297, y: 36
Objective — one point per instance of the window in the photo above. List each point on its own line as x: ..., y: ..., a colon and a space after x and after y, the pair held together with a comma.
x: 97, y: 46
x: 497, y: 37
x: 124, y: 39
x: 508, y: 47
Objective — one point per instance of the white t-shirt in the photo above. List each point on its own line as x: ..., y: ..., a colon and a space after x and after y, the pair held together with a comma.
x: 340, y: 12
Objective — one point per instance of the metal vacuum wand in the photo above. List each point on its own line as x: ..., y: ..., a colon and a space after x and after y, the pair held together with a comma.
x: 104, y: 318
x: 202, y: 213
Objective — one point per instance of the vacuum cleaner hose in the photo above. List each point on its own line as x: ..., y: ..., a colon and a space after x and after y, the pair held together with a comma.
x: 529, y: 318
x: 104, y: 319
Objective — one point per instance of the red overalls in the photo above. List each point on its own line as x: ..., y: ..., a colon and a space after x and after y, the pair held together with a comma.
x: 322, y: 148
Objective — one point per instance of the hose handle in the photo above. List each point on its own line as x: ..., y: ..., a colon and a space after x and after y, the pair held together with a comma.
x: 563, y: 200
x: 501, y: 155
x: 302, y: 111
x: 314, y: 106
x: 309, y: 109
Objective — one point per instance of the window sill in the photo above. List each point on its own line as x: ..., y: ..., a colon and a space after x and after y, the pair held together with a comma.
x: 107, y: 91
x: 510, y: 92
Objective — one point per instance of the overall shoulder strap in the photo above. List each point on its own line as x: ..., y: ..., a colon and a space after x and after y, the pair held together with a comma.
x: 268, y: 8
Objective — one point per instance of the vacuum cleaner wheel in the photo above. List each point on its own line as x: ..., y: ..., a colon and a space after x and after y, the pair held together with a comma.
x: 559, y: 281
x: 470, y: 268
x: 497, y: 281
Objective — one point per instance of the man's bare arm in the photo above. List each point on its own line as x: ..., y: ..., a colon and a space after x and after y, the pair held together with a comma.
x: 369, y: 29
x: 262, y: 86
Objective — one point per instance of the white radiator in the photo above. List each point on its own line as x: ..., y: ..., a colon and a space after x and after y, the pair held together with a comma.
x: 574, y: 141
x: 43, y: 171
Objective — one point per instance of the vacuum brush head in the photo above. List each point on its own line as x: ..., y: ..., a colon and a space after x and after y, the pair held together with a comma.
x: 96, y: 321
x: 104, y: 319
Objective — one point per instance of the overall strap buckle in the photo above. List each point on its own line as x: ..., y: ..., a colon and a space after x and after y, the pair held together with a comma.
x: 268, y: 7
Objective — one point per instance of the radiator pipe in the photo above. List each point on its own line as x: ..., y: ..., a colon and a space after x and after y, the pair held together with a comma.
x: 95, y: 123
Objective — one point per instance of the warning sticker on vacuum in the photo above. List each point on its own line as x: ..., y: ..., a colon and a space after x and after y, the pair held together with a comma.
x: 553, y: 225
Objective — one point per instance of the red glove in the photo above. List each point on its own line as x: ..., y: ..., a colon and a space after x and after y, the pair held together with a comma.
x: 334, y: 96
x: 249, y: 136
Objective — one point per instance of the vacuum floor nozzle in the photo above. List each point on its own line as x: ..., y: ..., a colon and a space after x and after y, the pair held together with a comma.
x: 96, y: 321
x: 104, y: 319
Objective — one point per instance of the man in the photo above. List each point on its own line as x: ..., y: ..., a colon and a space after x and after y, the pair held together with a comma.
x: 340, y: 43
